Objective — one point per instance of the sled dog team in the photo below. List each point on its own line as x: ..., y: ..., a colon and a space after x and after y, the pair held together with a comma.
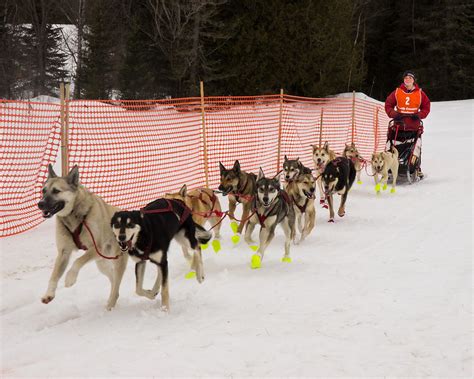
x: 109, y: 235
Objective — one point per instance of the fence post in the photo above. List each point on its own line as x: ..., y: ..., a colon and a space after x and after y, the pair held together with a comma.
x: 204, y: 139
x: 376, y: 129
x: 64, y: 96
x: 353, y: 116
x: 321, y: 128
x: 280, y: 127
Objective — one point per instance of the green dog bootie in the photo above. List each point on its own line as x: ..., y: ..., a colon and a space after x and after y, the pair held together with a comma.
x: 235, y: 239
x: 377, y: 188
x: 234, y: 226
x: 286, y: 259
x: 359, y: 182
x: 190, y: 275
x: 204, y: 246
x: 392, y: 190
x: 254, y: 247
x: 256, y: 261
x: 216, y: 245
x: 384, y: 186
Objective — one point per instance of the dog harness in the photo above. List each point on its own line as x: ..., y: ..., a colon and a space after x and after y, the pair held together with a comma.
x: 263, y: 217
x: 302, y: 208
x: 213, y: 199
x: 77, y: 240
x: 184, y: 216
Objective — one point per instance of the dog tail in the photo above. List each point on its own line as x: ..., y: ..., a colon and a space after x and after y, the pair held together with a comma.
x: 202, y: 235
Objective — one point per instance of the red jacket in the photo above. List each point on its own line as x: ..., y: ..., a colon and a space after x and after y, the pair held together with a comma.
x: 411, y: 124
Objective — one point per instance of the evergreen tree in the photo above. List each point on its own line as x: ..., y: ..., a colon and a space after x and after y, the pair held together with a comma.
x: 305, y: 47
x: 98, y: 75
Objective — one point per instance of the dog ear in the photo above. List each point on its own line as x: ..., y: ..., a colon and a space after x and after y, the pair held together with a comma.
x: 260, y: 174
x: 51, y: 173
x: 314, y: 147
x: 298, y: 159
x: 353, y: 145
x: 286, y: 159
x: 326, y: 146
x: 236, y: 167
x: 277, y: 176
x: 183, y: 191
x: 73, y: 176
x: 221, y: 167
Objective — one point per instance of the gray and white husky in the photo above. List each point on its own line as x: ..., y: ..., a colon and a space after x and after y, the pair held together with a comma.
x: 271, y: 206
x: 82, y: 223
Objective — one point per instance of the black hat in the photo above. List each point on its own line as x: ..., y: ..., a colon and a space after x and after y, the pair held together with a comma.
x: 409, y: 73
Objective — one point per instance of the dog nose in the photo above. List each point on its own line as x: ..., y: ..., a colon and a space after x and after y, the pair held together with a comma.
x: 41, y: 204
x: 265, y: 199
x: 312, y: 189
x: 287, y: 177
x: 221, y: 188
x: 122, y: 237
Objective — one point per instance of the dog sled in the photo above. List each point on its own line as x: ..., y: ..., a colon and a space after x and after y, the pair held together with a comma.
x: 408, y: 144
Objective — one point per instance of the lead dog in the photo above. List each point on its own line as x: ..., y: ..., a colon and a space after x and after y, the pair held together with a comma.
x: 381, y: 164
x: 147, y: 234
x: 271, y: 206
x: 321, y: 157
x: 82, y: 222
x: 338, y: 177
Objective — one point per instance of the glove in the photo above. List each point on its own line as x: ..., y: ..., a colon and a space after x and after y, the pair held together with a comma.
x: 415, y: 116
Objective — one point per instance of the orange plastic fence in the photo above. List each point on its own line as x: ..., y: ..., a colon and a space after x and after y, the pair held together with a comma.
x: 131, y: 152
x: 30, y: 137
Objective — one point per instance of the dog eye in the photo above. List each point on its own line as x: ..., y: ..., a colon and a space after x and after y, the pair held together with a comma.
x: 272, y: 190
x: 55, y: 191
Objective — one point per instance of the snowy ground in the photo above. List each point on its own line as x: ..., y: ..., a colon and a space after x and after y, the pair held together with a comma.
x: 385, y: 291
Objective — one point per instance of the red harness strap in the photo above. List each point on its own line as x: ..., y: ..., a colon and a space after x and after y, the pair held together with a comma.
x: 302, y: 208
x: 213, y: 199
x: 75, y: 237
x: 262, y: 218
x: 77, y: 240
x: 184, y: 216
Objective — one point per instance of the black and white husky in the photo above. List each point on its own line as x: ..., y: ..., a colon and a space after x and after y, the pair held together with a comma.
x: 271, y: 206
x: 338, y: 177
x: 147, y: 234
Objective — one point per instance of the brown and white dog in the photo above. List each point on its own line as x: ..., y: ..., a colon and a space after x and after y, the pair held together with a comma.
x: 351, y: 152
x: 301, y: 191
x: 381, y: 164
x: 321, y: 157
x: 205, y: 207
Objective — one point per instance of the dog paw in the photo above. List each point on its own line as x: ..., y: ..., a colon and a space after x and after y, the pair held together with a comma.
x: 47, y: 299
x: 253, y: 247
x: 204, y: 246
x: 286, y: 259
x: 384, y: 187
x: 190, y: 275
x: 341, y: 214
x: 359, y: 182
x: 331, y: 220
x: 392, y: 190
x: 71, y: 278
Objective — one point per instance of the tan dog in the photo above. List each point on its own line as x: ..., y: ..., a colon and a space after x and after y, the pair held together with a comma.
x: 321, y: 157
x: 381, y: 163
x: 301, y: 192
x: 205, y: 206
x: 351, y: 152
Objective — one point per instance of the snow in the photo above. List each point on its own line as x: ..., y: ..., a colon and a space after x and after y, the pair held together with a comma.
x: 385, y: 291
